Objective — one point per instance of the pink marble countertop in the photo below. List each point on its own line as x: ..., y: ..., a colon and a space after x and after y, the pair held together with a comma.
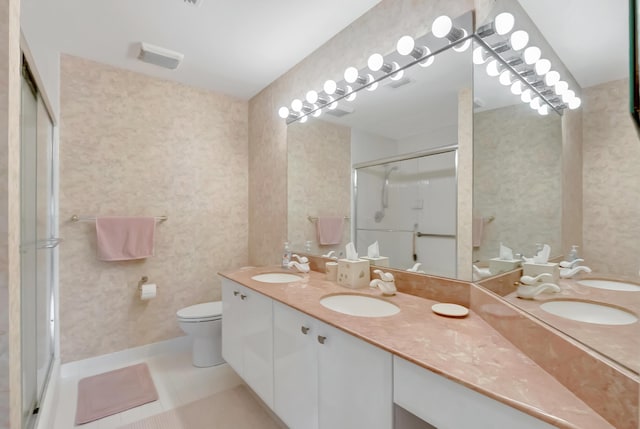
x: 620, y: 343
x: 466, y: 350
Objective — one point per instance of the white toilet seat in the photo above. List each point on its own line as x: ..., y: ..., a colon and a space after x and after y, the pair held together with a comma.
x: 205, y: 312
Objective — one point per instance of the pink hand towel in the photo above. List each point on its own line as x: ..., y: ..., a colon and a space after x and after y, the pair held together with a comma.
x: 477, y: 231
x: 122, y: 238
x: 329, y: 230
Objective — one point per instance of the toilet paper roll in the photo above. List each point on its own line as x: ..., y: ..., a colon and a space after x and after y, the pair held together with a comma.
x: 148, y: 291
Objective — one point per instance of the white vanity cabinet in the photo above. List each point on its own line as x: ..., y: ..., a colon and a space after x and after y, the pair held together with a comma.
x: 247, y: 336
x: 327, y: 379
x: 449, y: 405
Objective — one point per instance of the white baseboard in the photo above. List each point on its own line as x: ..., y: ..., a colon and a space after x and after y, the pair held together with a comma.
x: 99, y: 364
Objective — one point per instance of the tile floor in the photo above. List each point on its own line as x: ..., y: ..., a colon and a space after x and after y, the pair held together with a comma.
x: 177, y: 382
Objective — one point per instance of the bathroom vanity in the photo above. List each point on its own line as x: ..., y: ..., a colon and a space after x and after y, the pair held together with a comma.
x: 318, y: 368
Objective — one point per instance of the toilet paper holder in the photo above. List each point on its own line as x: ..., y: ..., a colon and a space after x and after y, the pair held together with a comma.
x: 142, y: 281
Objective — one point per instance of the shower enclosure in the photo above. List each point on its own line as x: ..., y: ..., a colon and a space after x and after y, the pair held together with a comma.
x: 37, y: 245
x: 409, y: 206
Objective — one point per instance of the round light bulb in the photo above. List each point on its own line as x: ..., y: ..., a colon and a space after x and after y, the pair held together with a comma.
x: 479, y: 55
x: 317, y: 112
x: 442, y: 26
x: 575, y: 103
x: 296, y: 105
x: 492, y: 68
x: 561, y: 87
x: 304, y: 119
x: 429, y: 60
x: 532, y: 54
x: 283, y: 112
x: 351, y: 74
x: 568, y: 96
x: 519, y: 39
x: 543, y: 66
x: 374, y: 85
x: 516, y: 88
x: 333, y: 105
x: 461, y: 47
x: 505, y: 78
x: 405, y: 45
x: 535, y: 103
x: 552, y: 78
x: 526, y: 96
x: 329, y: 102
x: 330, y: 87
x: 312, y: 96
x: 544, y: 109
x: 375, y: 62
x: 352, y: 94
x: 504, y: 23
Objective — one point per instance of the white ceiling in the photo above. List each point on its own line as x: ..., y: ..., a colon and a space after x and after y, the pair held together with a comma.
x: 236, y: 47
x: 591, y: 36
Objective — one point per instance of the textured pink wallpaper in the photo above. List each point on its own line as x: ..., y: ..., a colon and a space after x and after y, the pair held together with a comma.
x: 139, y: 146
x: 611, y: 180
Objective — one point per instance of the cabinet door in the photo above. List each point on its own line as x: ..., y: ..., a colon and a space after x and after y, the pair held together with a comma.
x: 354, y: 382
x: 232, y: 325
x: 258, y: 343
x: 295, y: 368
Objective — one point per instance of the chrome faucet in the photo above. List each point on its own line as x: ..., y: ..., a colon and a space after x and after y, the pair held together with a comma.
x: 302, y: 263
x: 385, y: 283
x: 530, y: 291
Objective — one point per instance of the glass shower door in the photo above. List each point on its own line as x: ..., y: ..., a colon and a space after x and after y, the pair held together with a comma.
x: 36, y: 247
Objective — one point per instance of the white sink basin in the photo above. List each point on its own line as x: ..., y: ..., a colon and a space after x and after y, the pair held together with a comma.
x: 589, y: 312
x: 359, y: 305
x: 610, y: 285
x: 276, y: 278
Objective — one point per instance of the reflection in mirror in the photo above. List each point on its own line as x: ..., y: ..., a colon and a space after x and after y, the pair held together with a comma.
x: 528, y: 168
x: 409, y: 208
x: 393, y: 126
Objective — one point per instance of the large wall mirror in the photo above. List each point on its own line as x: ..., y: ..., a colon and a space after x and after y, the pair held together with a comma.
x: 398, y: 144
x: 386, y: 164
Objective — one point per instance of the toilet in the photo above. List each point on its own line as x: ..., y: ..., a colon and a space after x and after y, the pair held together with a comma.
x: 203, y: 323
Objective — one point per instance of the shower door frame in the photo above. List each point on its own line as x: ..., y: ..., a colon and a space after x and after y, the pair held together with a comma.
x: 44, y: 155
x: 399, y: 158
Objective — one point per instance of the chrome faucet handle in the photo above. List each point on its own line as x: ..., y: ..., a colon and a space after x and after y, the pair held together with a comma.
x: 386, y: 277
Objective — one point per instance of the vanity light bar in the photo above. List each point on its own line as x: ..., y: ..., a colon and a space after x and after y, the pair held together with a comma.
x: 518, y: 65
x: 355, y: 80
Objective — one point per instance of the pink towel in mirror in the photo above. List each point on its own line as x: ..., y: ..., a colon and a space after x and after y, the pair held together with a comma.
x: 122, y: 238
x: 329, y: 229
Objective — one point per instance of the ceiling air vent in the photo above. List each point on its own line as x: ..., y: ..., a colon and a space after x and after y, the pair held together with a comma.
x: 395, y: 84
x: 193, y: 2
x: 340, y: 111
x: 161, y: 57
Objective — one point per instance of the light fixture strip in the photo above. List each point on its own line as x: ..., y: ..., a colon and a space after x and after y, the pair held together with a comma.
x: 336, y: 97
x: 519, y: 76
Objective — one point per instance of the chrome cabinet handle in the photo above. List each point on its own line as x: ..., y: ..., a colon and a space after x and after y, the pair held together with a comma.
x: 321, y: 339
x: 235, y: 293
x: 304, y: 329
x: 243, y: 296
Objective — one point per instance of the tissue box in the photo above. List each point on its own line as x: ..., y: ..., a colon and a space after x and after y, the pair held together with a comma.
x: 497, y: 265
x: 380, y: 261
x: 353, y: 274
x: 530, y: 269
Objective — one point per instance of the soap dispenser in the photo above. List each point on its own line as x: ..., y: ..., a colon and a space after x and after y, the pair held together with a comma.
x: 573, y: 253
x: 286, y: 255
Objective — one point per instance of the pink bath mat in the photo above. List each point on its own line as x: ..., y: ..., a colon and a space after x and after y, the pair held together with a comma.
x: 114, y: 392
